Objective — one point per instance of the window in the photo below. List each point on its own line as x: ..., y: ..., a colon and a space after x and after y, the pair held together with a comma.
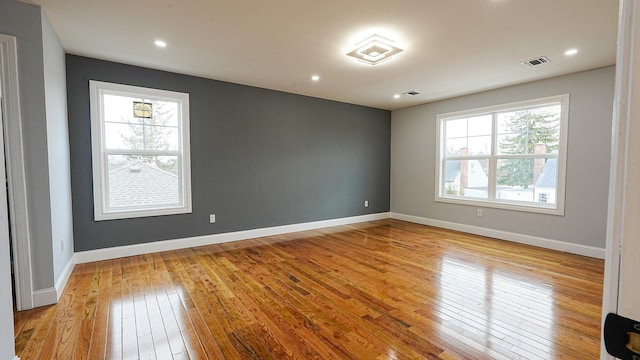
x: 542, y: 197
x: 140, y: 151
x: 509, y: 156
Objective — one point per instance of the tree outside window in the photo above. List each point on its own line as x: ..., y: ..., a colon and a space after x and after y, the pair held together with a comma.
x: 140, y: 151
x: 507, y: 156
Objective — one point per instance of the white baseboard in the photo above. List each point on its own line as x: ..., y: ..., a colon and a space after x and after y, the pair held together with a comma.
x: 45, y: 297
x: 64, y: 277
x: 165, y: 245
x: 590, y: 251
x: 51, y: 295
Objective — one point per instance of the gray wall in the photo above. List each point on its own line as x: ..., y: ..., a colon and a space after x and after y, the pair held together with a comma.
x: 25, y: 23
x: 57, y: 149
x: 413, y: 160
x: 259, y: 158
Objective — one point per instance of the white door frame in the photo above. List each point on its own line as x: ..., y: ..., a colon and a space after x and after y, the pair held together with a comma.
x: 620, y: 216
x: 14, y: 154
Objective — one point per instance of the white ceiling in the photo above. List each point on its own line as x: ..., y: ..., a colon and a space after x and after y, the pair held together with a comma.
x: 453, y: 47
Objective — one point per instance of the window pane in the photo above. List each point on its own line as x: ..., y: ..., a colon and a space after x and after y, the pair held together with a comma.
x: 466, y: 178
x: 165, y: 113
x: 456, y: 128
x: 515, y: 172
x: 160, y: 137
x: 508, y: 122
x: 516, y: 145
x: 550, y: 111
x: 455, y: 146
x: 139, y: 181
x: 545, y: 180
x: 531, y: 131
x: 140, y: 137
x: 123, y: 130
x: 118, y: 108
x: 469, y: 136
x: 123, y: 136
x: 513, y: 133
x: 479, y: 145
x: 531, y: 180
x: 480, y: 125
x: 129, y: 121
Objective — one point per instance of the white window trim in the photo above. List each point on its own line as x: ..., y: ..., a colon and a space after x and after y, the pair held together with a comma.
x: 552, y: 209
x: 98, y: 156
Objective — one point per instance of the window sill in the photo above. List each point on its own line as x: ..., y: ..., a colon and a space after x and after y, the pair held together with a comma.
x: 504, y: 205
x: 131, y: 214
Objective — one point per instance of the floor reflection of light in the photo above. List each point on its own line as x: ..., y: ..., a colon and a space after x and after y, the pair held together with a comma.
x: 495, y: 309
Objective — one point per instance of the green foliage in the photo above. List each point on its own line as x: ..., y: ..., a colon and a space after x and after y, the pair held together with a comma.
x: 527, y: 129
x: 451, y: 190
x: 516, y: 172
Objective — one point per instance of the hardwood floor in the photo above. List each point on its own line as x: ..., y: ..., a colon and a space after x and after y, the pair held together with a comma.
x: 380, y: 290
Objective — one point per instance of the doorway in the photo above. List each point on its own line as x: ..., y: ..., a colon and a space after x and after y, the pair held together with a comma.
x: 622, y: 290
x: 18, y: 223
x: 6, y: 202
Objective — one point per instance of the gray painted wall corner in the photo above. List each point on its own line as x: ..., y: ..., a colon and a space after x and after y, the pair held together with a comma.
x: 25, y: 23
x: 57, y: 149
x: 413, y: 151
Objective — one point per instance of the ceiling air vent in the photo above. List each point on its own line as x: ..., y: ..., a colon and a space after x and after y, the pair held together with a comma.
x: 411, y: 93
x: 535, y: 62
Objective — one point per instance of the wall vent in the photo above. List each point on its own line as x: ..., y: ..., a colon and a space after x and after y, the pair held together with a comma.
x: 535, y: 62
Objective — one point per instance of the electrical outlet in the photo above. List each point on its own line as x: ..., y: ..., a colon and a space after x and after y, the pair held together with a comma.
x: 366, y: 203
x: 212, y: 218
x: 479, y: 212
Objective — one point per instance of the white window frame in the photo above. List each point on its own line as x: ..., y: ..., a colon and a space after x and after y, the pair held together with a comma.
x: 99, y: 152
x: 492, y: 201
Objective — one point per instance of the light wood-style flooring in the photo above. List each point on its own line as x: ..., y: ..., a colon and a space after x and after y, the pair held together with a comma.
x: 379, y: 290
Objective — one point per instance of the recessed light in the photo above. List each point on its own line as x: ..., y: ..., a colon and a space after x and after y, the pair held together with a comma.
x: 374, y: 50
x: 396, y: 96
x: 160, y: 43
x: 571, y: 52
x: 315, y: 78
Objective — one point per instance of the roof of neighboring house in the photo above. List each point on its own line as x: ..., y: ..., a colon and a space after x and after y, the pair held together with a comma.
x: 549, y: 174
x: 452, y: 170
x: 142, y: 184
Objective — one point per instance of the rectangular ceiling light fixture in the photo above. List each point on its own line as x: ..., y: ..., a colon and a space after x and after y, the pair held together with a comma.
x: 374, y: 50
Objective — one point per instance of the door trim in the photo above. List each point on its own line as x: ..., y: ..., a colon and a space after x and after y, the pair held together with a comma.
x: 619, y: 158
x: 14, y: 153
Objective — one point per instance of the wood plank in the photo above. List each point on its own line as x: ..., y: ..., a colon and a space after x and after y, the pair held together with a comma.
x: 114, y: 323
x: 386, y: 289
